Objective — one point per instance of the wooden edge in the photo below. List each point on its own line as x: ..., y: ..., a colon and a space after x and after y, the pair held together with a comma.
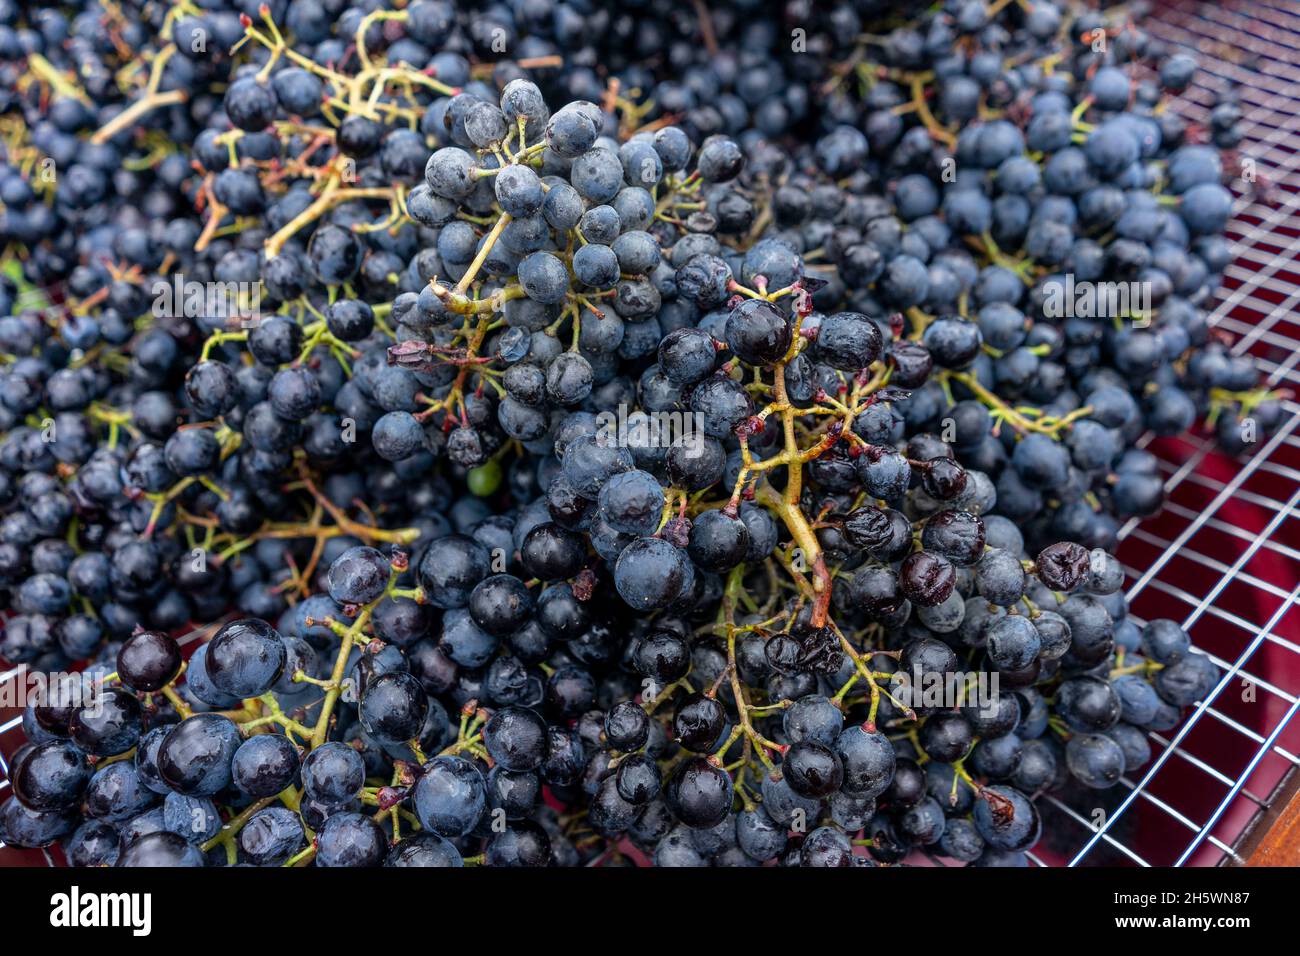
x: 1274, y: 838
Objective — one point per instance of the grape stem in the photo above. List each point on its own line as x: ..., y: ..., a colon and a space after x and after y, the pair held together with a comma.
x: 1050, y: 425
x: 735, y: 584
x: 332, y: 195
x: 133, y: 112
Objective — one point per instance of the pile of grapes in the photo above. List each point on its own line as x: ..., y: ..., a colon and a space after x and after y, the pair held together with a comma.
x: 592, y: 433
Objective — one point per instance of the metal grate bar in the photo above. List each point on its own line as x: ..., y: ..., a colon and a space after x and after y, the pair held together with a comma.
x: 1258, y: 306
x: 1279, y: 547
x: 1246, y: 732
x: 1229, y: 617
x: 1201, y: 765
x: 1186, y: 728
x: 1239, y: 494
x: 1236, y: 787
x: 1212, y: 563
x: 1101, y: 834
x: 1156, y: 801
x: 1228, y: 490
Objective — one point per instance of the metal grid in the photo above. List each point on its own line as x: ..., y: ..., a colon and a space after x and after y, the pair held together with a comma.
x: 1223, y: 556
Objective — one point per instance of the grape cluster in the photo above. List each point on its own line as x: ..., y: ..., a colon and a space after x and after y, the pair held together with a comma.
x: 662, y: 442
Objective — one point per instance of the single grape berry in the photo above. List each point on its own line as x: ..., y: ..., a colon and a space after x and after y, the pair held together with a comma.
x: 148, y: 661
x: 758, y: 332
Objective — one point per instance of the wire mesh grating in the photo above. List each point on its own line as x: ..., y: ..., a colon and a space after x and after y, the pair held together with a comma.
x: 1223, y: 556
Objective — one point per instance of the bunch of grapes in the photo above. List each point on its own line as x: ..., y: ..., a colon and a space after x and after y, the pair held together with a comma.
x: 668, y: 450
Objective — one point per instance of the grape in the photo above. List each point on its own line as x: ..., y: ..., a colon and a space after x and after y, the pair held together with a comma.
x: 450, y: 796
x: 651, y: 573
